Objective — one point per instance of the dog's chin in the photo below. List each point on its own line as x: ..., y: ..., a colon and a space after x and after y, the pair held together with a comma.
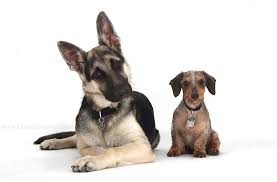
x: 116, y: 99
x: 193, y: 103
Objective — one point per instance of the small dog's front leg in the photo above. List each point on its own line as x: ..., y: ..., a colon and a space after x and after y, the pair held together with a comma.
x: 200, y: 146
x: 213, y: 145
x: 132, y: 153
x: 178, y: 147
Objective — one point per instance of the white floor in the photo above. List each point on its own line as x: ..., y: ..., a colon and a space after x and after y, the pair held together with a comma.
x: 245, y: 159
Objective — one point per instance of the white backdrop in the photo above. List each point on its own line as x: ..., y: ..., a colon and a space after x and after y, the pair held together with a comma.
x: 235, y: 41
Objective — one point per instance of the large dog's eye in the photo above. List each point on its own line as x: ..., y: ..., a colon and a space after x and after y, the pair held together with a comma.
x: 202, y: 82
x: 117, y: 65
x: 98, y: 74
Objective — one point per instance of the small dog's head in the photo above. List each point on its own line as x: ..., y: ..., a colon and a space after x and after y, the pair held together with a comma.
x: 103, y: 70
x: 193, y: 84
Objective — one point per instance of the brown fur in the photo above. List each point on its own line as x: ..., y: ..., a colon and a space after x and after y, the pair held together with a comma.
x: 199, y: 139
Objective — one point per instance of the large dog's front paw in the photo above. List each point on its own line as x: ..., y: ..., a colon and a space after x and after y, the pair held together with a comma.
x: 85, y: 164
x: 49, y: 144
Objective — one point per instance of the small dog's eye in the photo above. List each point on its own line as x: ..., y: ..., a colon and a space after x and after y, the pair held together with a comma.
x: 185, y: 83
x: 98, y: 74
x: 202, y: 82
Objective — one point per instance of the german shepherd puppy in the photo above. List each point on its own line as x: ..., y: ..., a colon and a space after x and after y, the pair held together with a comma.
x: 115, y: 125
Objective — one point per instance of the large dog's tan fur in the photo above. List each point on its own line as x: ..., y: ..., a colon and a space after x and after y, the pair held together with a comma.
x: 122, y: 141
x: 132, y: 146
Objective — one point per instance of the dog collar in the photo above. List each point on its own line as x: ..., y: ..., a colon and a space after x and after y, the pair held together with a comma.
x: 191, y: 117
x: 193, y: 109
x: 99, y: 115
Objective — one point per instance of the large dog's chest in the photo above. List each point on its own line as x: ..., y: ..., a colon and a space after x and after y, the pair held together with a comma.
x: 117, y: 132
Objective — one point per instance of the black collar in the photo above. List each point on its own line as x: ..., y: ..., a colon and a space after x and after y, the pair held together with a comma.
x: 193, y: 109
x: 99, y: 115
x: 102, y: 113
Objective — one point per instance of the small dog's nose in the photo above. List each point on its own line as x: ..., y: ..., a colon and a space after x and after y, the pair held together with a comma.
x: 194, y: 95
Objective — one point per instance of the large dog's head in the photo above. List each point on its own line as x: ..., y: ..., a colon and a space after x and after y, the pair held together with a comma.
x: 193, y: 84
x: 103, y: 70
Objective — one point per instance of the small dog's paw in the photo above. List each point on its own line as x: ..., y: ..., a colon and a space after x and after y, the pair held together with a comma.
x: 174, y: 152
x: 84, y: 164
x: 48, y: 144
x: 213, y: 151
x: 199, y: 154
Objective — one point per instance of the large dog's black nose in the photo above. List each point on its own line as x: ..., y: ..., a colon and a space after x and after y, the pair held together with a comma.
x: 123, y: 92
x: 194, y: 94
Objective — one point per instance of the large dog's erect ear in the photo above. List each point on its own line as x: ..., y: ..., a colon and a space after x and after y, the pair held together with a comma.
x: 210, y: 82
x: 106, y: 33
x: 73, y: 55
x: 176, y: 84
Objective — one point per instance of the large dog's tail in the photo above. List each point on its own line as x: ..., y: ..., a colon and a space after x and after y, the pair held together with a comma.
x: 156, y: 140
x: 55, y: 135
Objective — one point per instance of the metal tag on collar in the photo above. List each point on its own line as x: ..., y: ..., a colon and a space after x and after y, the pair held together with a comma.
x: 101, y: 120
x: 191, y: 120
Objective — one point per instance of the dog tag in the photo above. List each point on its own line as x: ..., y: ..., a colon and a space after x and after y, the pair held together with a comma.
x: 101, y: 120
x: 191, y: 122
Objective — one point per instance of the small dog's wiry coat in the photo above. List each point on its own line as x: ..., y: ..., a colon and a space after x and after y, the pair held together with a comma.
x: 198, y: 138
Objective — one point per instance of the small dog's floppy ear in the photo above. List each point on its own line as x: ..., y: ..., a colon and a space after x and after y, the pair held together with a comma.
x: 210, y: 82
x: 176, y: 84
x: 106, y: 33
x: 73, y: 55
